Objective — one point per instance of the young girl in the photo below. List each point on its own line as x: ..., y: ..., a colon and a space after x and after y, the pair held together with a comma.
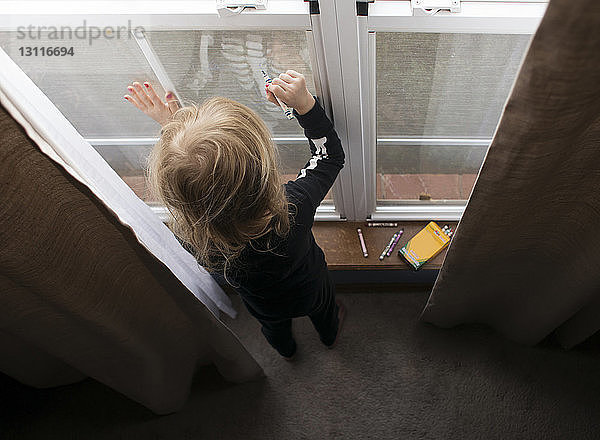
x: 215, y: 168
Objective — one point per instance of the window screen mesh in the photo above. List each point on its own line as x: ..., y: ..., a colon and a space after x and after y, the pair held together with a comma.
x: 227, y: 63
x: 440, y: 86
x: 203, y: 64
x: 88, y: 87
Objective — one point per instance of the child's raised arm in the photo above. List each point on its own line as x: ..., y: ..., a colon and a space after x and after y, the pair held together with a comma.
x: 150, y: 103
x: 319, y: 173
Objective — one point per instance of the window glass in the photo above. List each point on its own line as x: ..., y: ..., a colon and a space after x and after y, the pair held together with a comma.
x: 202, y: 64
x: 88, y: 87
x: 410, y: 172
x: 228, y: 63
x: 434, y: 90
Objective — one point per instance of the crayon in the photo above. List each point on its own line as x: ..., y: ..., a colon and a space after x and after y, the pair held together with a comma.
x: 391, y: 249
x: 363, y: 246
x: 387, y: 248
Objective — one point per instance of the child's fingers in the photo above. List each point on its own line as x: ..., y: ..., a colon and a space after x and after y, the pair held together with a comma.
x: 272, y: 98
x: 135, y: 99
x: 282, y: 84
x: 152, y: 94
x: 172, y: 102
x: 277, y: 91
x: 141, y: 95
x: 294, y: 74
x: 287, y: 78
x: 131, y: 100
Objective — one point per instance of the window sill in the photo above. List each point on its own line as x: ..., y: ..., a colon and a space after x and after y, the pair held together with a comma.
x: 339, y: 241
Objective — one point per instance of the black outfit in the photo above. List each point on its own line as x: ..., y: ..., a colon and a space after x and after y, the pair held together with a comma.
x: 283, y: 278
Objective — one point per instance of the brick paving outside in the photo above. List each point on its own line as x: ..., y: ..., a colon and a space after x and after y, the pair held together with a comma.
x: 389, y: 186
x: 411, y: 186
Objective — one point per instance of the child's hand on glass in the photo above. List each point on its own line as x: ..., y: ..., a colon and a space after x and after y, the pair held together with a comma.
x: 291, y: 89
x: 146, y: 99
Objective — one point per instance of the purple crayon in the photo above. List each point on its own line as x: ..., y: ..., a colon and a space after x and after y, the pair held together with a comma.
x: 395, y: 242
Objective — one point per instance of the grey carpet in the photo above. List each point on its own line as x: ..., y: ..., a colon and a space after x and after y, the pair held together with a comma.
x: 391, y: 377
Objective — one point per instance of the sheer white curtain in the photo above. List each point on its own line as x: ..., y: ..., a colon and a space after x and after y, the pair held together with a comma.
x: 58, y: 139
x: 92, y: 284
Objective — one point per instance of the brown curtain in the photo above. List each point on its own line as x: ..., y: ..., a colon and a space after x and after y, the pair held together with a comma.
x: 525, y: 258
x: 79, y: 296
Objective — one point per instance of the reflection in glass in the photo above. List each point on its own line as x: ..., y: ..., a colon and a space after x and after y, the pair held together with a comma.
x: 202, y: 64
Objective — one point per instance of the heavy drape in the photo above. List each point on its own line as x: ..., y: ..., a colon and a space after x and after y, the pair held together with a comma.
x: 80, y: 295
x: 525, y: 258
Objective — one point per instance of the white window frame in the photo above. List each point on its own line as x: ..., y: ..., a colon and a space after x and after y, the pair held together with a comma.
x: 487, y: 16
x: 152, y: 14
x: 182, y: 15
x: 342, y: 48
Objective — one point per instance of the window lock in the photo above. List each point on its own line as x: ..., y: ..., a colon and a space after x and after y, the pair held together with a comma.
x: 227, y: 8
x: 432, y: 7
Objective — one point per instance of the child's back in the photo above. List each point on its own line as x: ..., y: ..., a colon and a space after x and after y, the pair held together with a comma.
x: 215, y: 168
x: 295, y: 267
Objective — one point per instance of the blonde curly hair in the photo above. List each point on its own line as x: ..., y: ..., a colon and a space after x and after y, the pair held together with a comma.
x: 215, y: 168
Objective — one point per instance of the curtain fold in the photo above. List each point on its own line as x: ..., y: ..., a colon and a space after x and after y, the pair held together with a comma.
x: 91, y: 282
x: 525, y: 258
x: 58, y: 139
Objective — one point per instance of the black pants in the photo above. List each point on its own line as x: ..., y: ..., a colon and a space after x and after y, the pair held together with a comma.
x: 319, y: 306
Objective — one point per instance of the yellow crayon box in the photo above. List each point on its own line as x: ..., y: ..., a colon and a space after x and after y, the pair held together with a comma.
x: 428, y: 242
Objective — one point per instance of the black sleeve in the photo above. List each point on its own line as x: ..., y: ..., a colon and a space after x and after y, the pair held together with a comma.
x: 319, y: 173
